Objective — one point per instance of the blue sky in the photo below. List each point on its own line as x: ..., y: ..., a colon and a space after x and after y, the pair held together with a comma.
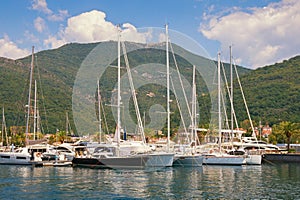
x: 262, y: 32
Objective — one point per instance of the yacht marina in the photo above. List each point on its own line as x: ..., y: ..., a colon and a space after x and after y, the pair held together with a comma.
x: 95, y: 107
x: 206, y: 182
x: 135, y: 155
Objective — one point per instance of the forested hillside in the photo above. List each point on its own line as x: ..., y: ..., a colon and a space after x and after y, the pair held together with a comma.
x: 54, y: 71
x: 272, y: 92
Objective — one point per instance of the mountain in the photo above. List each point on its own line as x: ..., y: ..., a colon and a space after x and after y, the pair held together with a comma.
x: 270, y: 91
x: 55, y: 71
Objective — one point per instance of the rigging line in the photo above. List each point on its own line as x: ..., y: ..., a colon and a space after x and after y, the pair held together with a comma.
x: 245, y: 103
x: 104, y: 116
x: 223, y: 99
x: 29, y: 98
x: 168, y: 89
x: 179, y: 108
x: 40, y: 125
x: 42, y: 93
x: 229, y: 96
x: 225, y: 114
x: 194, y: 135
x: 193, y: 104
x: 219, y: 103
x: 99, y: 111
x: 214, y: 100
x: 4, y: 128
x: 205, y: 106
x: 204, y: 103
x: 140, y: 123
x: 215, y: 78
x: 180, y: 80
x: 22, y: 102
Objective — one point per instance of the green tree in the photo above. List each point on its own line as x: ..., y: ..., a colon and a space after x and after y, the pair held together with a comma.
x: 61, y: 136
x: 18, y: 139
x: 285, y: 130
x: 246, y: 125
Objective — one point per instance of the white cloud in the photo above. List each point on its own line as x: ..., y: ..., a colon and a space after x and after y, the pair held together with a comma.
x: 62, y: 14
x: 41, y: 5
x: 53, y: 42
x: 130, y: 33
x: 92, y: 27
x: 89, y: 27
x: 30, y: 37
x: 162, y: 37
x: 39, y: 24
x: 259, y: 36
x: 9, y: 49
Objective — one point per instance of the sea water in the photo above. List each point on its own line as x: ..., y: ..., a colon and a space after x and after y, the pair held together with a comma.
x: 268, y: 181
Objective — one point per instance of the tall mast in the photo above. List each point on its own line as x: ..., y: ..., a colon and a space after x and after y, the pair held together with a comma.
x: 168, y: 86
x: 29, y: 96
x: 67, y: 123
x: 35, y: 111
x: 119, y: 90
x: 38, y: 124
x: 99, y: 112
x: 136, y: 106
x: 219, y: 101
x: 2, y: 127
x: 231, y: 91
x: 194, y: 110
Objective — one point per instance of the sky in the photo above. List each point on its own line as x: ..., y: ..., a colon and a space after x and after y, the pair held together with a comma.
x: 261, y: 32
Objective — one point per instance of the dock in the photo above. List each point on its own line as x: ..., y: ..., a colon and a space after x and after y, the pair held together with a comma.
x: 57, y: 163
x: 282, y: 157
x: 51, y: 163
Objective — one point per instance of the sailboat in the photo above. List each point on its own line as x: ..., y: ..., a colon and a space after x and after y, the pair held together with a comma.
x: 9, y: 155
x: 21, y: 155
x: 4, y: 130
x: 218, y: 156
x: 252, y: 157
x: 185, y: 154
x: 114, y: 155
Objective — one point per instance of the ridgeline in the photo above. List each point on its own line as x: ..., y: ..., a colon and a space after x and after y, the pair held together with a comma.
x: 272, y: 92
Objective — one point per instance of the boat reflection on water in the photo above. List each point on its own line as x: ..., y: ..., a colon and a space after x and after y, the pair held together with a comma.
x: 280, y: 181
x: 232, y: 182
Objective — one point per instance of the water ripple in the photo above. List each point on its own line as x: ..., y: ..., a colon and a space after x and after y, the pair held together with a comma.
x: 280, y: 181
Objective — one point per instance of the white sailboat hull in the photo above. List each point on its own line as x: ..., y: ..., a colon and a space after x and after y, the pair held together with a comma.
x: 141, y: 161
x: 254, y: 159
x: 12, y: 158
x: 224, y: 160
x: 160, y: 160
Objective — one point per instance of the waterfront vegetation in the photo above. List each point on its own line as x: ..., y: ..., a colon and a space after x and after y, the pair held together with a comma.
x: 272, y: 93
x: 286, y: 132
x: 283, y: 133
